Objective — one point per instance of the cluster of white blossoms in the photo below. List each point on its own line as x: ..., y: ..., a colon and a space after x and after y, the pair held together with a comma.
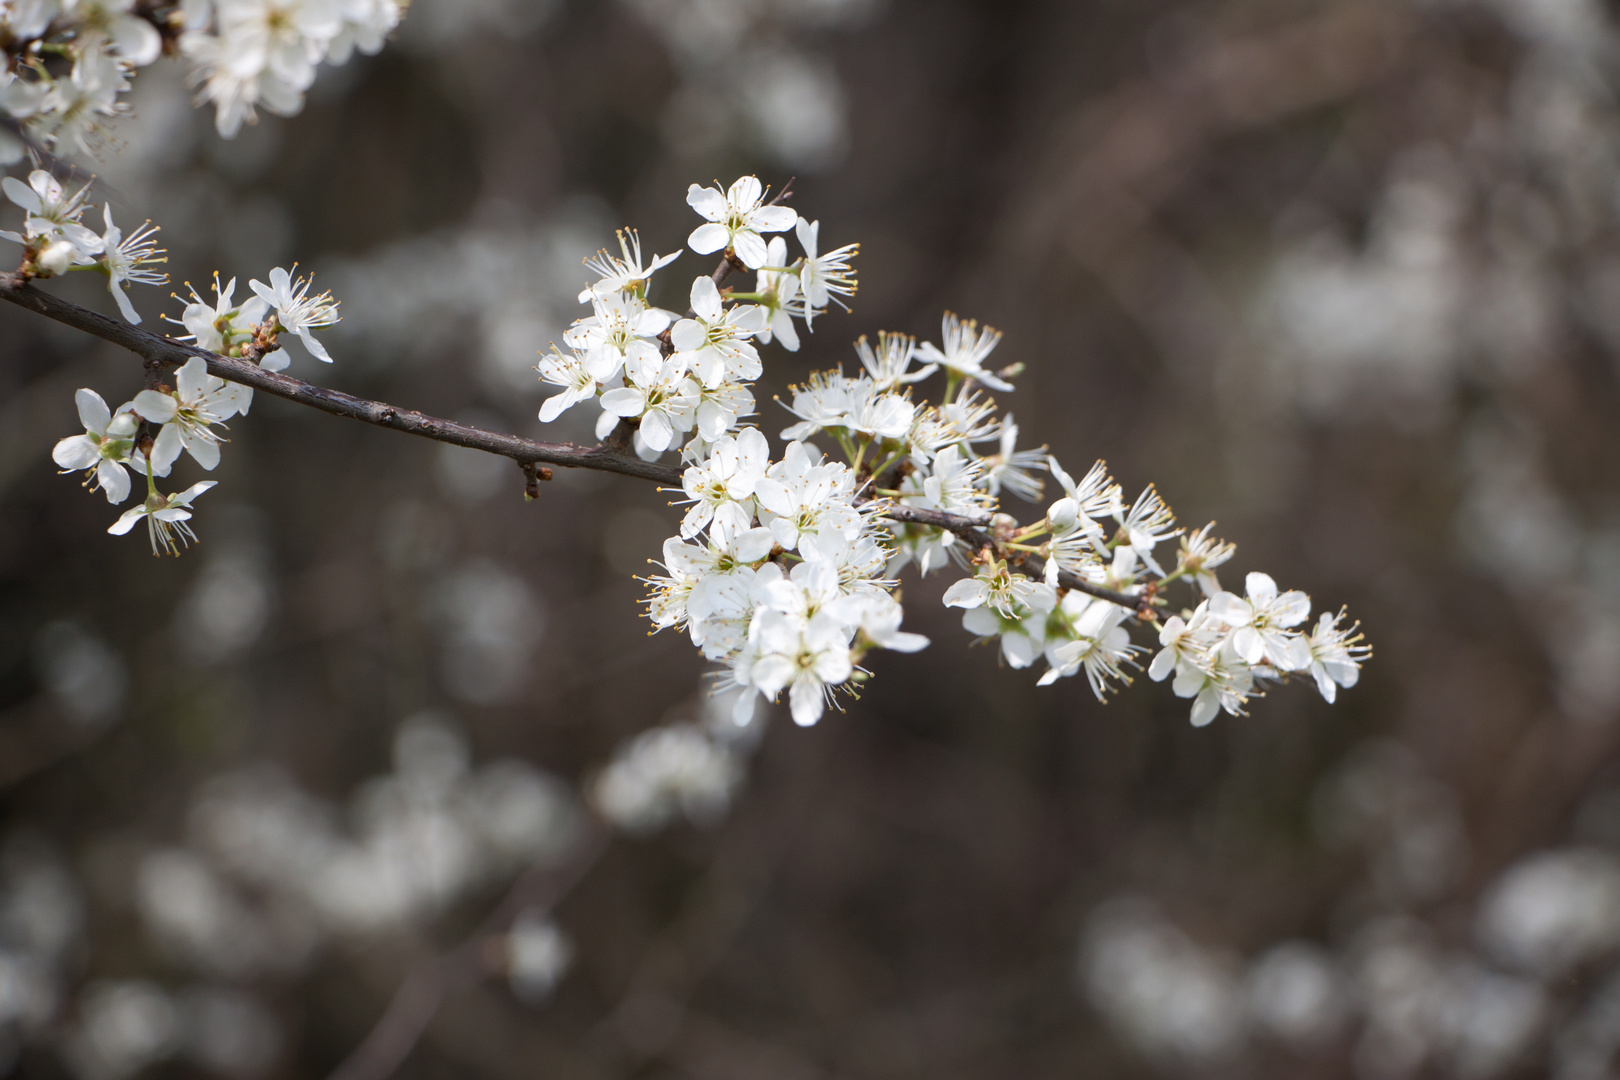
x: 784, y: 567
x: 70, y: 60
x: 56, y: 241
x: 251, y: 53
x: 684, y: 381
x: 185, y: 416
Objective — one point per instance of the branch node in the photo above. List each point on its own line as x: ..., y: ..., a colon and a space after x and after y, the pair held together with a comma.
x: 532, y: 476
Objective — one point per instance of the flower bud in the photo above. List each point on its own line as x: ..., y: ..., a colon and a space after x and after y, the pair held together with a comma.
x: 56, y: 258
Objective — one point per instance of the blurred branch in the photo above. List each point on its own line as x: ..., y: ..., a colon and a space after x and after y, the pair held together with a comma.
x: 417, y: 1001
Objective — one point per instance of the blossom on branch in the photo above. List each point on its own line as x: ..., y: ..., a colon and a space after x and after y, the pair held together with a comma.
x: 104, y: 448
x: 166, y: 517
x: 736, y: 220
x: 188, y: 414
x: 126, y: 258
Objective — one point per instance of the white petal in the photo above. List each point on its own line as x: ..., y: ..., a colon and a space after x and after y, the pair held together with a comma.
x: 774, y: 496
x: 127, y: 520
x: 807, y: 701
x: 204, y: 451
x: 750, y: 248
x: 316, y: 349
x: 76, y: 452
x: 166, y: 449
x: 21, y: 194
x: 706, y: 239
x: 114, y: 481
x: 1249, y: 645
x: 745, y: 192
x: 982, y: 621
x: 706, y: 298
x: 688, y: 334
x: 656, y: 432
x: 771, y: 673
x: 192, y: 379
x: 707, y: 201
x: 125, y: 308
x: 156, y: 407
x: 967, y: 593
x: 904, y: 642
x: 773, y: 219
x: 625, y: 401
x: 93, y: 411
x: 1260, y: 587
x: 1205, y: 706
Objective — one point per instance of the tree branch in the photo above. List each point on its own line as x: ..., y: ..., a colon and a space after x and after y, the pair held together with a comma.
x: 605, y: 457
x: 154, y: 347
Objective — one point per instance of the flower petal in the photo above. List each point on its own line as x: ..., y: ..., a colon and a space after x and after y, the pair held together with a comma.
x: 156, y: 407
x: 93, y: 411
x: 708, y: 238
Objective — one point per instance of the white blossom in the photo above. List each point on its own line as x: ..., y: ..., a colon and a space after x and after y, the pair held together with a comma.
x: 188, y: 414
x: 736, y: 220
x: 714, y: 343
x: 623, y: 274
x: 1010, y: 595
x: 808, y: 504
x: 104, y: 448
x: 621, y: 327
x: 1200, y: 554
x: 658, y: 392
x: 1012, y: 468
x: 889, y: 363
x: 1336, y: 655
x: 823, y: 279
x: 778, y: 290
x: 724, y: 483
x: 127, y: 259
x: 77, y: 108
x: 664, y: 772
x: 806, y: 657
x: 52, y: 214
x: 965, y: 348
x: 1261, y: 622
x: 1220, y: 682
x: 719, y: 409
x: 568, y: 371
x: 877, y: 616
x: 296, y: 311
x: 130, y: 36
x: 1092, y: 638
x: 224, y: 327
x: 832, y: 400
x: 1148, y: 523
x: 166, y: 517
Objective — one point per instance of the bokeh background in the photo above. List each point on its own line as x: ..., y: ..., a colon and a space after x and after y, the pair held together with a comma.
x: 1342, y: 275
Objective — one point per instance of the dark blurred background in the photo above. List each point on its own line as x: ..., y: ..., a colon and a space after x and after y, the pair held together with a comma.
x: 1342, y: 275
